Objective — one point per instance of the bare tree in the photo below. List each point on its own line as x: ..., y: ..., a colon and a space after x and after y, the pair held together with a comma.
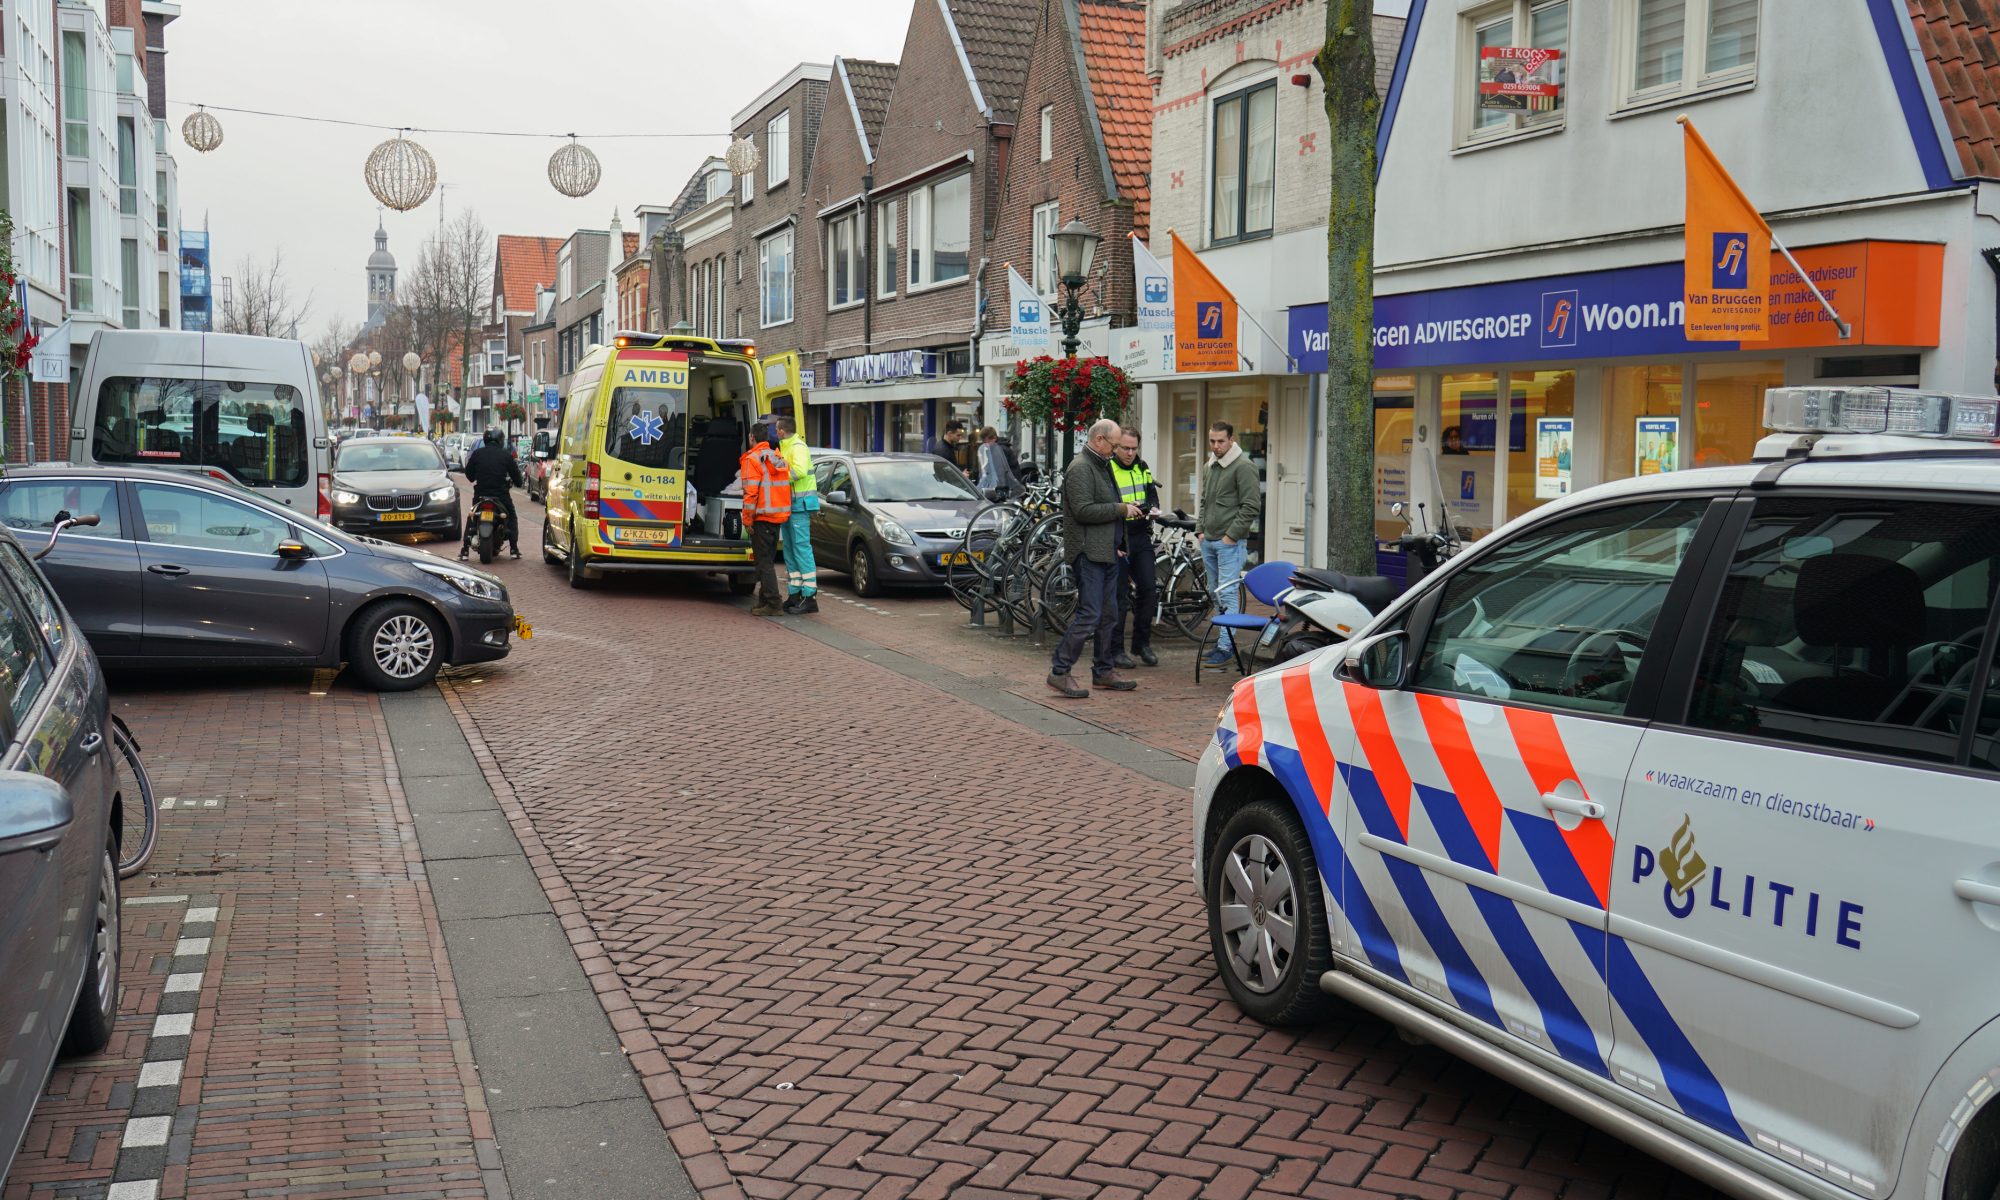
x: 467, y: 252
x: 445, y: 296
x: 261, y: 303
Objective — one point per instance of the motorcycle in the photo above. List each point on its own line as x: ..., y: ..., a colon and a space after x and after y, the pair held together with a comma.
x: 486, y: 527
x: 1322, y: 607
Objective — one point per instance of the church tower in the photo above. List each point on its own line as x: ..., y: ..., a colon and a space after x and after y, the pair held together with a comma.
x: 381, y: 279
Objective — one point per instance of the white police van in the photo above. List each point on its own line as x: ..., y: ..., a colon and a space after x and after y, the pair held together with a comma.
x: 1676, y: 802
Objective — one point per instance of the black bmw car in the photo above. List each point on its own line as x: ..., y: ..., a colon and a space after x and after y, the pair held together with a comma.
x: 393, y: 485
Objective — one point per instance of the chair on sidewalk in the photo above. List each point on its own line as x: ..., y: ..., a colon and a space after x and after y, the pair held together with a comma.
x: 1263, y: 582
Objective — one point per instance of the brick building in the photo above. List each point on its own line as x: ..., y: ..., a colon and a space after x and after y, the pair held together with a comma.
x: 581, y: 268
x: 926, y: 220
x: 765, y: 230
x: 522, y: 267
x: 705, y: 263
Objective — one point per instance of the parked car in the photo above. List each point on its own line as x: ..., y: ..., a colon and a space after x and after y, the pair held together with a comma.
x: 242, y: 408
x: 190, y: 571
x: 392, y: 485
x: 58, y: 844
x: 889, y: 520
x: 454, y: 447
x: 535, y: 466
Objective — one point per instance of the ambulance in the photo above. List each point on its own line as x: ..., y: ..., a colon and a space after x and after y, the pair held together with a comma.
x: 1675, y: 803
x: 644, y: 472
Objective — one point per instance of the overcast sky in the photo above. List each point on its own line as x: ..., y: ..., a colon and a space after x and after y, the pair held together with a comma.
x: 588, y: 66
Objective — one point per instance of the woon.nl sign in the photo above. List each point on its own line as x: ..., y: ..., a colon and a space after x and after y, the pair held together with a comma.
x: 1601, y: 314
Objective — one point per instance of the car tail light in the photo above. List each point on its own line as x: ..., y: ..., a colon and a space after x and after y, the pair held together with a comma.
x: 326, y: 497
x: 592, y: 486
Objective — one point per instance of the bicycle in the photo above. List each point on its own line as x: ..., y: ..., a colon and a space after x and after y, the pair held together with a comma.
x: 131, y: 778
x: 1184, y: 599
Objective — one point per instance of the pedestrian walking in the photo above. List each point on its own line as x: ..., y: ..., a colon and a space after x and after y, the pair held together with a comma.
x: 802, y: 574
x: 1093, y: 534
x: 767, y: 506
x: 997, y: 475
x: 1230, y: 498
x: 950, y: 445
x: 1138, y: 589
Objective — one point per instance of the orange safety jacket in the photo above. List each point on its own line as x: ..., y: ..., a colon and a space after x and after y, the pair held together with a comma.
x: 767, y: 485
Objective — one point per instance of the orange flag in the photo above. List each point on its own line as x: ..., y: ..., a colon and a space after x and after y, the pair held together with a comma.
x: 1204, y: 315
x: 1728, y: 253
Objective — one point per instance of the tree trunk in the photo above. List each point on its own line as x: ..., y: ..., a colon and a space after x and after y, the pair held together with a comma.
x: 1347, y: 67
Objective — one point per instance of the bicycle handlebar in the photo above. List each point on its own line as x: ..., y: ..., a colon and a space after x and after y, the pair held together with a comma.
x: 63, y: 521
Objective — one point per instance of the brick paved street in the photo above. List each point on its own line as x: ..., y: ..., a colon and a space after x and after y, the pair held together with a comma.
x: 880, y: 941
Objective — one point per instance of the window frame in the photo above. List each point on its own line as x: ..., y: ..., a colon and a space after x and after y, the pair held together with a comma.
x: 764, y: 246
x: 1696, y: 79
x: 886, y: 246
x: 1520, y: 14
x: 143, y: 532
x: 1041, y: 249
x: 1048, y: 132
x: 849, y: 223
x: 778, y: 150
x: 1215, y: 106
x: 923, y: 215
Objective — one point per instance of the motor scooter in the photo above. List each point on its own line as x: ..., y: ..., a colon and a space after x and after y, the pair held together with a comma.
x: 486, y: 525
x: 1323, y: 607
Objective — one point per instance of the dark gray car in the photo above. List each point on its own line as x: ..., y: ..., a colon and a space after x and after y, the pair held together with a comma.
x: 393, y: 485
x: 189, y: 571
x: 58, y: 848
x: 889, y: 520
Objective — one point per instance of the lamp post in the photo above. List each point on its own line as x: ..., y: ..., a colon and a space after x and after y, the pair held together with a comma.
x: 1076, y: 246
x: 357, y: 367
x: 410, y: 364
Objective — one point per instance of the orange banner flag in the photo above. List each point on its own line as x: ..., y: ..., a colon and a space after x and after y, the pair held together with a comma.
x: 1204, y: 315
x: 1728, y: 255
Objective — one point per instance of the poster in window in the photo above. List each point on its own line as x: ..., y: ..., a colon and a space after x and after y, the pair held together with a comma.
x: 1554, y: 440
x: 1517, y: 79
x: 1657, y: 445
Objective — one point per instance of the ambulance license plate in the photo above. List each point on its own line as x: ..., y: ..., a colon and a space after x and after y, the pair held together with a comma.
x: 647, y: 535
x: 397, y: 516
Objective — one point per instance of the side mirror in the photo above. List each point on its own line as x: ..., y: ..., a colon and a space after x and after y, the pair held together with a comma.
x: 839, y: 496
x: 35, y: 812
x: 1377, y: 661
x: 293, y: 551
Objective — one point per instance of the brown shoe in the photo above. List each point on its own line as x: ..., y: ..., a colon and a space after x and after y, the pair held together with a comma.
x: 1111, y: 681
x: 766, y: 610
x: 1066, y: 686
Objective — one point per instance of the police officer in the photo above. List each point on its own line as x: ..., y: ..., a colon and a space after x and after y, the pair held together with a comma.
x: 1136, y: 486
x: 493, y: 473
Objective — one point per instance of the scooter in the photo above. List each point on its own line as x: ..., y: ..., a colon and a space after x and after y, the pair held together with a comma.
x: 487, y: 525
x: 1323, y: 607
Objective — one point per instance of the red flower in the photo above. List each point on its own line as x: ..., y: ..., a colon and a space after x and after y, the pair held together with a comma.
x: 1020, y: 369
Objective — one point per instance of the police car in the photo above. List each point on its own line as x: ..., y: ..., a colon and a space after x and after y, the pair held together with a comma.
x: 1676, y: 803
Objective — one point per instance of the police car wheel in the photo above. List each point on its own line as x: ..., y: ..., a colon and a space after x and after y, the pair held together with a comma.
x: 1267, y: 916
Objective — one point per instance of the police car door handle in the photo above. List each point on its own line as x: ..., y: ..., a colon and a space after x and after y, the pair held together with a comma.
x: 1975, y: 891
x: 1566, y: 804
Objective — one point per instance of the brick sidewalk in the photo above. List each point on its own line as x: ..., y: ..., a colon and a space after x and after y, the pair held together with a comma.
x: 326, y: 1054
x: 878, y: 941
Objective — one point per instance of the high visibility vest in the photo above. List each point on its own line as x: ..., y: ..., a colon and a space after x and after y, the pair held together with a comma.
x: 1132, y: 482
x: 767, y: 485
x: 799, y: 459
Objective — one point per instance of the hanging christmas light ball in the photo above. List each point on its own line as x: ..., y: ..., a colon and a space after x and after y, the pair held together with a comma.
x: 401, y: 173
x: 201, y: 130
x: 742, y: 157
x: 574, y: 170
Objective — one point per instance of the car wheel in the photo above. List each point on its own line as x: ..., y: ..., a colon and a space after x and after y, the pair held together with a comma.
x: 579, y: 575
x: 1267, y: 916
x: 548, y: 546
x: 861, y: 568
x: 396, y: 646
x: 97, y: 1004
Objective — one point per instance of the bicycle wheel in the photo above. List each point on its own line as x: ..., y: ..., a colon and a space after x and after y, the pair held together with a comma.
x: 1187, y: 601
x: 135, y: 792
x: 962, y: 573
x: 1059, y: 595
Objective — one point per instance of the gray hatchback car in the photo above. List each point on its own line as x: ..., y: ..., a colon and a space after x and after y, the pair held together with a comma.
x: 890, y: 520
x: 186, y: 571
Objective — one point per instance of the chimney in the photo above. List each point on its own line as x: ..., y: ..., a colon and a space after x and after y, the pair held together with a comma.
x: 614, y: 254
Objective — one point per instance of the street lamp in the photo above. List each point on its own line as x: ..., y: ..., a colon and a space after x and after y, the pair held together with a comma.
x: 1076, y: 246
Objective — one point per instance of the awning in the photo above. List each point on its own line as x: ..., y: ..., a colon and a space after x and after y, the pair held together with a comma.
x: 956, y: 388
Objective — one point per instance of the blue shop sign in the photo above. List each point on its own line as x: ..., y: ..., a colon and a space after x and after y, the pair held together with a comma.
x: 1629, y: 312
x: 883, y: 367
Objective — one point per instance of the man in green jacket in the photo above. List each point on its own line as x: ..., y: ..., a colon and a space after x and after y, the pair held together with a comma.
x: 1093, y: 532
x: 1231, y: 498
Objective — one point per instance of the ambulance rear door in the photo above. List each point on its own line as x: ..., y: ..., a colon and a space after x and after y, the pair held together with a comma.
x: 642, y: 484
x: 780, y: 391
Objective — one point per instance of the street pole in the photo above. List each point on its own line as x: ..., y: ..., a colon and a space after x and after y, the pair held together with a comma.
x: 1071, y: 313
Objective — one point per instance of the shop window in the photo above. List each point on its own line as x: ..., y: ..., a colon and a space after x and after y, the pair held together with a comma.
x: 1543, y: 408
x: 1643, y: 431
x: 1244, y: 166
x: 1394, y: 422
x: 1729, y: 410
x: 1468, y: 434
x: 1676, y: 47
x: 1189, y: 451
x: 1491, y: 33
x: 1245, y: 404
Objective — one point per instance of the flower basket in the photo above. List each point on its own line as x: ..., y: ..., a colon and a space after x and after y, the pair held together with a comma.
x: 1067, y: 393
x: 507, y: 410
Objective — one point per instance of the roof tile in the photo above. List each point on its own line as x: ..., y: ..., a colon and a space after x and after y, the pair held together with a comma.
x: 526, y: 263
x: 871, y: 83
x: 1957, y: 39
x: 999, y: 37
x: 1114, y: 52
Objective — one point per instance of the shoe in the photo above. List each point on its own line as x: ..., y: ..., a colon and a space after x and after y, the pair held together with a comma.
x: 465, y: 556
x: 1066, y: 685
x: 1111, y: 681
x: 792, y: 602
x: 1122, y: 660
x: 807, y: 606
x: 1147, y: 656
x: 766, y: 610
x: 1217, y: 658
x: 516, y: 552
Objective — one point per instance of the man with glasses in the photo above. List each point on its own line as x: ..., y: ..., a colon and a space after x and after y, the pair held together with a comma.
x: 1138, y: 591
x: 1093, y: 538
x: 1230, y: 499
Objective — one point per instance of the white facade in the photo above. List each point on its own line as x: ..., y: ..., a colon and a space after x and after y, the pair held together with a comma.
x: 93, y: 230
x: 705, y: 247
x: 33, y: 134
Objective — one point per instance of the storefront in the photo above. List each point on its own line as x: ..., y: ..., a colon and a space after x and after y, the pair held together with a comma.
x: 1493, y: 399
x: 998, y: 356
x: 895, y: 400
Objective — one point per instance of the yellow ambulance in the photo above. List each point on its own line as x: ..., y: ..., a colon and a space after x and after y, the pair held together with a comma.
x: 644, y: 476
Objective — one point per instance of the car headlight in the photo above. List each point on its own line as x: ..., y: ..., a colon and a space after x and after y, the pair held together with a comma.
x: 444, y: 493
x: 892, y: 532
x: 345, y: 497
x: 469, y: 582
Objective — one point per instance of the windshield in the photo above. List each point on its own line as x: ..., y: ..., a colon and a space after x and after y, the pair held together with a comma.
x: 255, y: 431
x: 387, y: 456
x: 907, y: 480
